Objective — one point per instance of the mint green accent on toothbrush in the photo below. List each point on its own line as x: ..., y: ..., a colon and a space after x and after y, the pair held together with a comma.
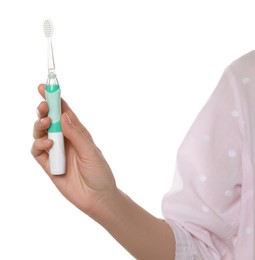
x: 55, y: 127
x: 52, y: 93
x: 52, y: 88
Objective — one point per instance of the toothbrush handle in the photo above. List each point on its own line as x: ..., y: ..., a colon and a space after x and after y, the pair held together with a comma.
x: 57, y: 152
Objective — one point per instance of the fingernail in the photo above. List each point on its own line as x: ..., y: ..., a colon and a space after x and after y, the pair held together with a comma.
x: 38, y: 113
x: 68, y: 118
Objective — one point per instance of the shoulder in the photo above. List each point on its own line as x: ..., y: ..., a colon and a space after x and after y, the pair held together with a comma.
x: 244, y: 63
x: 241, y: 71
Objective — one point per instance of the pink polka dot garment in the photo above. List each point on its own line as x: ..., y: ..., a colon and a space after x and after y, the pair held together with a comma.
x: 211, y: 203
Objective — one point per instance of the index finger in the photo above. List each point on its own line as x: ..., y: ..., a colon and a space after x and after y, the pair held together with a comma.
x: 41, y: 89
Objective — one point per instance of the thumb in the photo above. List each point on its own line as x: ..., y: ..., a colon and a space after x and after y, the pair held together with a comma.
x: 77, y: 134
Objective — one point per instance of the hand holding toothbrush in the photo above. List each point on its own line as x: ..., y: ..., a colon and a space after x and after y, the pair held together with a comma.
x: 88, y: 177
x: 90, y: 185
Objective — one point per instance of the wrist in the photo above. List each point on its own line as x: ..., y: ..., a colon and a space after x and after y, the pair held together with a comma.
x: 140, y: 233
x: 106, y: 205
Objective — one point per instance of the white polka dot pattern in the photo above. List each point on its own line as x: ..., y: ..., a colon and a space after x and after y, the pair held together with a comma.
x: 215, y: 204
x: 203, y: 178
x: 231, y: 153
x: 246, y: 80
x: 207, y: 138
x: 228, y: 193
x: 205, y: 209
x: 235, y: 113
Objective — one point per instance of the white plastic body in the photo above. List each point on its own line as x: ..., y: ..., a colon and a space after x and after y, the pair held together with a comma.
x: 57, y: 154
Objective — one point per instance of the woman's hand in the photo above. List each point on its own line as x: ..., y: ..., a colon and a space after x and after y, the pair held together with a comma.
x: 89, y: 184
x: 88, y: 178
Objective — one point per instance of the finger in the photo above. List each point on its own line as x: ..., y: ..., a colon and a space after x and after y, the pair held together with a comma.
x: 73, y: 119
x: 39, y: 152
x: 42, y: 109
x: 64, y: 106
x: 66, y: 109
x: 79, y: 138
x: 41, y: 89
x: 40, y: 127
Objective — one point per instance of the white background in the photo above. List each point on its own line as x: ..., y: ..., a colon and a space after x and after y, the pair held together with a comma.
x: 136, y: 73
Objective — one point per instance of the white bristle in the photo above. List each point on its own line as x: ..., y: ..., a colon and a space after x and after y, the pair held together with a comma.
x: 48, y: 28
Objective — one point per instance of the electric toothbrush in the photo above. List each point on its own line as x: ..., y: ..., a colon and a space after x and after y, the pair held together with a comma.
x: 52, y: 93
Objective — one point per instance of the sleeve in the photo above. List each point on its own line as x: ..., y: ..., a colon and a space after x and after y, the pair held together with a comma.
x: 185, y: 248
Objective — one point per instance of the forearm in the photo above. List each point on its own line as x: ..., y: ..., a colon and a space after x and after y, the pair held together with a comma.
x: 143, y: 235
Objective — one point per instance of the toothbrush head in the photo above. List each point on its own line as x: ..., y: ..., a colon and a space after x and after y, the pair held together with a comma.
x: 48, y: 31
x: 48, y: 28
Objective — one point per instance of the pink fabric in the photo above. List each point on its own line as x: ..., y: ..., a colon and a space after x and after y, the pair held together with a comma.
x: 211, y: 203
